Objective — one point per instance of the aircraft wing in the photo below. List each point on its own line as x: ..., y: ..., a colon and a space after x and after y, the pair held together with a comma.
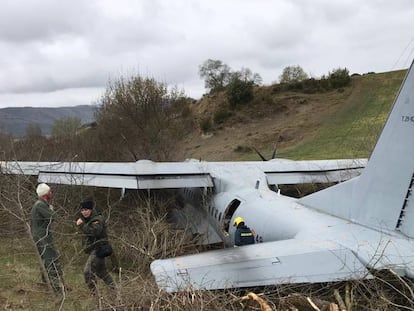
x: 279, y: 262
x: 145, y: 174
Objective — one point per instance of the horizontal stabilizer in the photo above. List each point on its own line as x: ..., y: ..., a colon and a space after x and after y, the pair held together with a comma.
x: 288, y: 261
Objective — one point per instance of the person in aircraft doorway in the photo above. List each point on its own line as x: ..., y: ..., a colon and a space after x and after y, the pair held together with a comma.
x: 243, y: 234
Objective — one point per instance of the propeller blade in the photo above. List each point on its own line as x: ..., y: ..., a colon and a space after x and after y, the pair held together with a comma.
x: 274, y: 152
x: 275, y: 148
x: 260, y: 155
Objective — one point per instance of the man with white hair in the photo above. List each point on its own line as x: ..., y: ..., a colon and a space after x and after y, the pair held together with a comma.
x: 42, y: 215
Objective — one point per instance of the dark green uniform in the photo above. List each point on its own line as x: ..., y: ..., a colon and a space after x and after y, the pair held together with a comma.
x: 41, y: 222
x: 94, y: 230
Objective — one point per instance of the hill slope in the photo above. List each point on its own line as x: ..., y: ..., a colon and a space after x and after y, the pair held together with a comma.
x: 14, y: 121
x: 337, y: 124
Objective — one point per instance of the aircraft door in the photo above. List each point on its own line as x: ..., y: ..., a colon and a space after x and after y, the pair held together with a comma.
x: 228, y: 214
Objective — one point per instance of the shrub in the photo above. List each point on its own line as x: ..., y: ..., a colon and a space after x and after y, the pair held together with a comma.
x: 221, y: 115
x: 206, y: 124
x: 242, y: 149
x: 339, y: 78
x: 239, y: 92
x: 292, y: 74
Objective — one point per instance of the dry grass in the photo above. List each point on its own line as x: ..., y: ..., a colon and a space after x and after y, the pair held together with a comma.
x: 140, y: 233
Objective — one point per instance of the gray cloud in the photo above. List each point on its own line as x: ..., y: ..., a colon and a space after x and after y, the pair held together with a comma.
x: 50, y: 49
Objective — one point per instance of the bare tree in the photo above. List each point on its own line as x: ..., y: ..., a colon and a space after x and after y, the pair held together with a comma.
x: 66, y: 127
x: 142, y: 118
x: 246, y: 75
x: 33, y: 130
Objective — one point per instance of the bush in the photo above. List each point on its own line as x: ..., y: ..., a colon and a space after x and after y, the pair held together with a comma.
x: 339, y: 78
x: 141, y: 116
x: 206, y: 124
x: 242, y: 149
x: 239, y: 92
x: 221, y: 115
x: 292, y: 74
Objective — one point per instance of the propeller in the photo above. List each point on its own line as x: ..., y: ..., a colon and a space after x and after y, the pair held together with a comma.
x: 260, y: 155
x: 273, y: 153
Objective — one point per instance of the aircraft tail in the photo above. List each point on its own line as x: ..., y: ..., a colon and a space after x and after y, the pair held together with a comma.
x: 382, y: 195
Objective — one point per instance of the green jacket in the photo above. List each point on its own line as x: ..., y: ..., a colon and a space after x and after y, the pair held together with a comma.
x: 41, y: 220
x: 94, y: 231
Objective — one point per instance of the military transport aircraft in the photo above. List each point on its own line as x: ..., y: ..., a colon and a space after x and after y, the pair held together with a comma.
x: 199, y: 182
x: 339, y: 233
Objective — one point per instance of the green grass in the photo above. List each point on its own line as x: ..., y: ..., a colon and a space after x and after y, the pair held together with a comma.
x: 20, y: 282
x: 353, y: 131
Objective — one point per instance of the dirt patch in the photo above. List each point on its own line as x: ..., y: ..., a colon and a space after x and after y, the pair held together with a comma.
x: 287, y: 119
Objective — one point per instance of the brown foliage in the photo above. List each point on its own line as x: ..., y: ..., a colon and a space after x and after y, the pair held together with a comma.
x: 140, y: 233
x: 140, y: 116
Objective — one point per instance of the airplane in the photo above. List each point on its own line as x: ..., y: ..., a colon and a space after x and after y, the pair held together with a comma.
x: 196, y: 181
x: 343, y: 232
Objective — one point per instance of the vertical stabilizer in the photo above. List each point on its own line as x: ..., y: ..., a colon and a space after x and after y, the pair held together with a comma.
x: 381, y: 196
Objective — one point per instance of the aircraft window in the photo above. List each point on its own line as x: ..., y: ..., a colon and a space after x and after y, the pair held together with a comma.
x: 215, y: 213
x: 228, y: 214
x: 219, y: 216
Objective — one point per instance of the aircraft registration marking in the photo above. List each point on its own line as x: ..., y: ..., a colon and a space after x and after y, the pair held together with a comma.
x: 407, y: 118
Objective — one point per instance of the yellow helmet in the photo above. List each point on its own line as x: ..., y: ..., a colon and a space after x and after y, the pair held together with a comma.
x: 237, y: 221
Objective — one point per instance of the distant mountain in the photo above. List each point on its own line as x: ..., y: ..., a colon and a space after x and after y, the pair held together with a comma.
x: 14, y: 121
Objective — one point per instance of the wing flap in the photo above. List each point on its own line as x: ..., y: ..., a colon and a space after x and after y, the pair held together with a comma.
x: 288, y: 261
x: 321, y: 171
x: 143, y: 174
x: 162, y: 181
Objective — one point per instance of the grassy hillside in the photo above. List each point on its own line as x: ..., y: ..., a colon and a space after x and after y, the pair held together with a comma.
x: 337, y: 124
x: 353, y: 130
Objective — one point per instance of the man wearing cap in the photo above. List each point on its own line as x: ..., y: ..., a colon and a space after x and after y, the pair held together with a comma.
x: 96, y: 243
x: 42, y: 215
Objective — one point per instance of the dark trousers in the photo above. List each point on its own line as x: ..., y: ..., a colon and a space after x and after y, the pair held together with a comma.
x: 51, y: 263
x: 95, y: 267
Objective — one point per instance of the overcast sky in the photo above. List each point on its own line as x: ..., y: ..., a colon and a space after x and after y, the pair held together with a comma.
x: 63, y: 53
